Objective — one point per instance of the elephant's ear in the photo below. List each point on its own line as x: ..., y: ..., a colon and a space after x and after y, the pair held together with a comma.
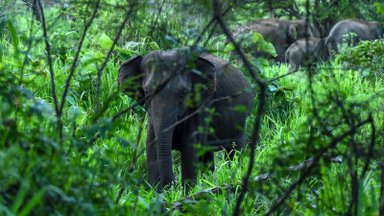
x: 205, y: 75
x: 292, y: 32
x: 130, y: 78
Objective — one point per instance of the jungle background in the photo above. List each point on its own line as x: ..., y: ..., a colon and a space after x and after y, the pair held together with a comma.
x: 72, y: 144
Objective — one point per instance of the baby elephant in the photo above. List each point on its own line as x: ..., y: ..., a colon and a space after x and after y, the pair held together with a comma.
x: 305, y: 53
x: 361, y: 30
x: 281, y: 33
x: 192, y: 100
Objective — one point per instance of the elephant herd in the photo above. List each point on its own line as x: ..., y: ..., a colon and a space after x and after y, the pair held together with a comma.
x: 347, y: 31
x: 197, y: 103
x: 297, y: 43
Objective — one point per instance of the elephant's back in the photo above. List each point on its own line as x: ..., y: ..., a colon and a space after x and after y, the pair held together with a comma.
x: 363, y: 29
x: 266, y: 27
x: 305, y: 45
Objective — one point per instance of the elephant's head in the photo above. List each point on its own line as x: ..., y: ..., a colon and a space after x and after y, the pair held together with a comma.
x: 169, y: 82
x: 297, y: 30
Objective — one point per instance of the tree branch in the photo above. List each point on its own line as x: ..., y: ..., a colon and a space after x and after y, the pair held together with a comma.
x: 260, y: 110
x: 127, y: 15
x: 74, y: 63
x: 316, y: 160
x: 49, y: 57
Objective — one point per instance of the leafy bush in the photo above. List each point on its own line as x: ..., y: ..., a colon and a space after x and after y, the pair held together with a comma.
x: 97, y: 165
x: 367, y: 57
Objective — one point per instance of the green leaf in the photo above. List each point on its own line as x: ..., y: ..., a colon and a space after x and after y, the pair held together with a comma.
x: 379, y: 8
x: 263, y: 45
x: 105, y: 42
x: 268, y: 48
x: 154, y: 46
x: 272, y: 88
x: 13, y: 34
x: 257, y: 37
x: 34, y: 201
x: 131, y: 45
x: 21, y: 194
x: 229, y: 48
x: 74, y: 113
x: 91, y: 58
x: 240, y: 108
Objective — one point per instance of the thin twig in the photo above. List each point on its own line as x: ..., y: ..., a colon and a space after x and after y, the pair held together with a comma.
x: 74, y: 63
x: 120, y: 30
x: 49, y: 57
x: 30, y: 42
x: 260, y: 110
x: 316, y: 160
x: 50, y: 63
x: 155, y: 21
x: 197, y: 41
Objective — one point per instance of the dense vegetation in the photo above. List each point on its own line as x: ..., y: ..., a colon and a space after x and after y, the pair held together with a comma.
x: 72, y: 143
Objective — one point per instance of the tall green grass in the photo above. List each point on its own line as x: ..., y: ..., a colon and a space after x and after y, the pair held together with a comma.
x: 38, y: 175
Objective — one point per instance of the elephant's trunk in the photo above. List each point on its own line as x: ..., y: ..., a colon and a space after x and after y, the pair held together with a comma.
x: 163, y: 114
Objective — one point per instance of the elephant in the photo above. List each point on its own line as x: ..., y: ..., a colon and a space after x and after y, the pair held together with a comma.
x: 306, y: 52
x: 180, y: 90
x: 281, y: 33
x: 363, y: 30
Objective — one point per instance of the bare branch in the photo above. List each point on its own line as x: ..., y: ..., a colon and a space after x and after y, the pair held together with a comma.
x: 127, y: 15
x: 49, y: 57
x: 74, y: 63
x: 316, y: 160
x: 155, y: 21
x: 213, y: 20
x: 260, y: 110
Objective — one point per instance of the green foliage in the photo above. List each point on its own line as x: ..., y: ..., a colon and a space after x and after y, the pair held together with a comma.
x: 83, y: 174
x: 366, y: 57
x: 327, y: 13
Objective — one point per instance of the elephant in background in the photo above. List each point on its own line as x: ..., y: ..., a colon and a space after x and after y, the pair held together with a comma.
x: 306, y: 52
x: 363, y: 30
x: 175, y: 84
x: 281, y: 33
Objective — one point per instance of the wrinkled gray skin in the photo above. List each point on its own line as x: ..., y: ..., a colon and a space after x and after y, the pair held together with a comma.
x: 306, y: 52
x: 212, y: 78
x: 281, y: 33
x: 364, y: 30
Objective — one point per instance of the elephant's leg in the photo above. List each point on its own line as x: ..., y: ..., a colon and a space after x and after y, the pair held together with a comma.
x: 208, y: 157
x: 189, y: 160
x: 188, y: 166
x: 152, y: 162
